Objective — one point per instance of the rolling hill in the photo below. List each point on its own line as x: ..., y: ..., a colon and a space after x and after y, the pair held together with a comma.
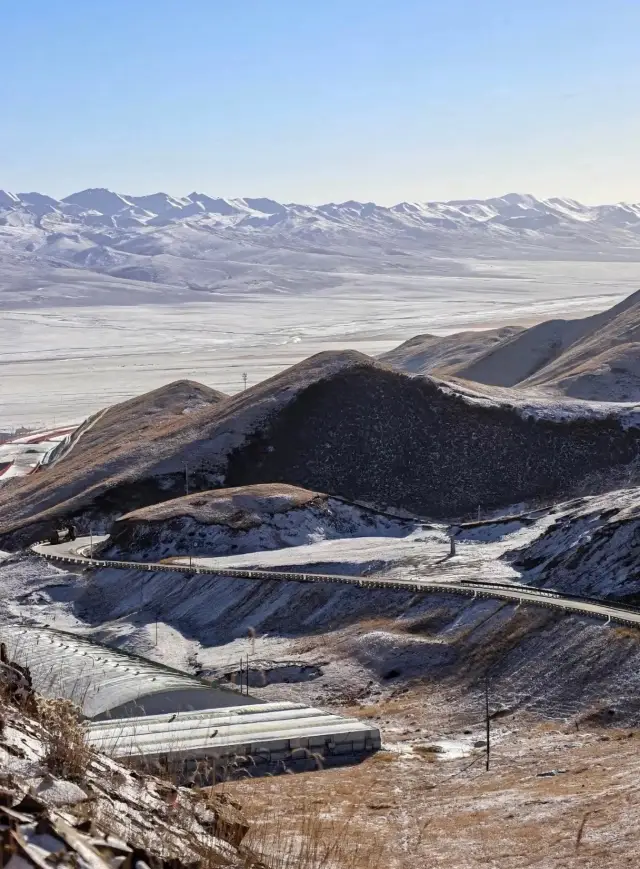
x: 443, y: 353
x: 246, y: 519
x: 339, y: 423
x: 594, y: 358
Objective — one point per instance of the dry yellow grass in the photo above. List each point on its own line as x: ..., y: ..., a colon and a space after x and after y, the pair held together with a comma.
x: 454, y: 815
x: 427, y: 751
x: 626, y: 633
x: 67, y: 753
x: 232, y: 507
x: 311, y: 835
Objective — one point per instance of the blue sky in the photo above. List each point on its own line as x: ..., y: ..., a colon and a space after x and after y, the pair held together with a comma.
x: 317, y: 100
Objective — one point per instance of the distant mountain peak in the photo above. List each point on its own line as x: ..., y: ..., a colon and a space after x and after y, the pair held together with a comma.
x: 267, y: 206
x: 98, y: 199
x: 520, y: 199
x: 8, y: 200
x: 214, y: 205
x: 37, y: 197
x: 157, y: 203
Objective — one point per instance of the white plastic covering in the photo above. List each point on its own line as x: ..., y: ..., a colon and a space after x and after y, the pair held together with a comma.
x: 106, y: 682
x: 270, y: 730
x: 120, y: 693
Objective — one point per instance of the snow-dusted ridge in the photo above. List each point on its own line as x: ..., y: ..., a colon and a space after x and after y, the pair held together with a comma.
x: 249, y: 519
x: 530, y: 404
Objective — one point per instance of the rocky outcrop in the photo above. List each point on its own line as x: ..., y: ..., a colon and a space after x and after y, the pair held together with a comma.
x: 110, y: 817
x: 372, y: 434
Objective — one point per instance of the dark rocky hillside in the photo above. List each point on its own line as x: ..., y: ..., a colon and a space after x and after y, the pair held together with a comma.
x: 370, y: 433
x: 338, y: 423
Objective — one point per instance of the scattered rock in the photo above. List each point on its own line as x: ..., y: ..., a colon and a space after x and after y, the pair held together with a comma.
x: 55, y: 792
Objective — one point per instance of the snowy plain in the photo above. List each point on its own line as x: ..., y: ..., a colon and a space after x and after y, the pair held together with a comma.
x: 59, y: 364
x: 105, y: 295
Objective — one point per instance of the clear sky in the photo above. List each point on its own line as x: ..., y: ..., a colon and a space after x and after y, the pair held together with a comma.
x: 317, y: 100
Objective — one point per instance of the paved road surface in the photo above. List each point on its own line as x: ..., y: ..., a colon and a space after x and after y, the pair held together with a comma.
x: 78, y: 553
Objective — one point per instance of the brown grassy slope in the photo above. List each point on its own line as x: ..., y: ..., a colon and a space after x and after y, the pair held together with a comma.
x: 452, y: 814
x: 139, y: 417
x: 425, y: 353
x: 224, y: 506
x: 338, y: 423
x: 120, y: 433
x: 521, y: 358
x: 613, y: 375
x: 134, y: 457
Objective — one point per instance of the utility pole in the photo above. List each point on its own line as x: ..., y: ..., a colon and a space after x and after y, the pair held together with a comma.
x: 244, y: 378
x: 487, y: 718
x: 453, y: 530
x: 247, y: 675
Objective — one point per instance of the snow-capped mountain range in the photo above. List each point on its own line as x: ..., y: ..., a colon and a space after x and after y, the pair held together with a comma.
x: 513, y: 213
x: 200, y: 243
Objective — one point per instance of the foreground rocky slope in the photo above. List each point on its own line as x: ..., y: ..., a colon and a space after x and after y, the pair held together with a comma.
x: 63, y: 804
x: 338, y: 423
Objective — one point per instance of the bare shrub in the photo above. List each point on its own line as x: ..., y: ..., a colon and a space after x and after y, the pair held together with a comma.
x: 428, y: 752
x: 626, y: 632
x: 384, y: 757
x: 67, y: 752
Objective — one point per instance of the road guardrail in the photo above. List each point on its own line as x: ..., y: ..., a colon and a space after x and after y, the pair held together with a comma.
x: 518, y: 595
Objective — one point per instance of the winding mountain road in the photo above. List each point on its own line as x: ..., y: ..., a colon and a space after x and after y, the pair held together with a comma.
x: 78, y: 552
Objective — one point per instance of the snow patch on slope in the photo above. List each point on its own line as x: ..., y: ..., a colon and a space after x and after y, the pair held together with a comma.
x: 535, y: 404
x: 250, y: 519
